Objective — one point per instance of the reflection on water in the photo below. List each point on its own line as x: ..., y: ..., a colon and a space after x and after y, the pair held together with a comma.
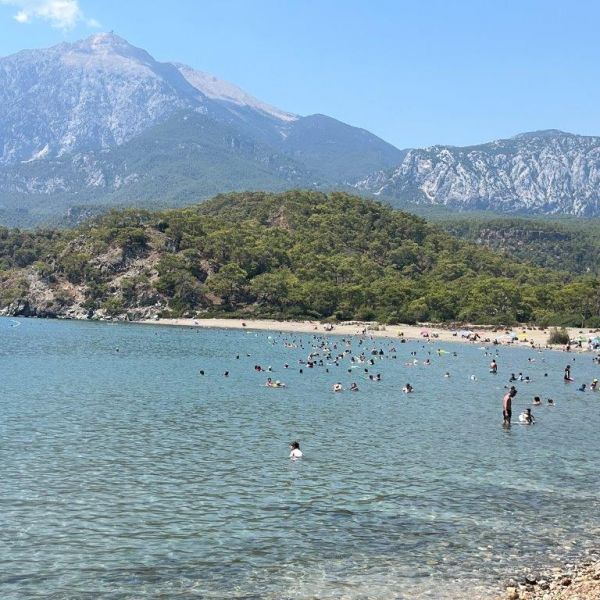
x: 127, y: 474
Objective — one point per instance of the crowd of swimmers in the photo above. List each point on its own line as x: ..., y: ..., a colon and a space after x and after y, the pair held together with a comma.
x: 362, y: 360
x: 526, y: 416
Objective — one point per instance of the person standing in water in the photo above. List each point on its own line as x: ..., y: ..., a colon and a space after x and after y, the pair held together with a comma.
x: 494, y: 367
x: 567, y: 377
x: 507, y: 405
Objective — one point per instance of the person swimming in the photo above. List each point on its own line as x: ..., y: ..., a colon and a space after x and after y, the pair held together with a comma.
x: 537, y: 401
x: 354, y: 387
x: 550, y: 402
x: 337, y: 387
x: 407, y: 389
x: 581, y: 388
x: 295, y: 451
x: 526, y: 417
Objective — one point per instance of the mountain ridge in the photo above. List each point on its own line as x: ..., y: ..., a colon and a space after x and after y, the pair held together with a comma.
x: 73, y: 143
x: 547, y: 172
x: 107, y: 136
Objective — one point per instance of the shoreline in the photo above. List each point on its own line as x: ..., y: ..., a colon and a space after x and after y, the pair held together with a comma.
x: 527, y: 337
x: 572, y: 581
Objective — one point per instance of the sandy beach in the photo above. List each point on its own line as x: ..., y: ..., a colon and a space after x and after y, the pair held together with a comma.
x: 526, y: 337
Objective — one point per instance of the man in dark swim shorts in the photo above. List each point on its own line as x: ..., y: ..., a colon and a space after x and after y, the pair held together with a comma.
x: 507, y: 405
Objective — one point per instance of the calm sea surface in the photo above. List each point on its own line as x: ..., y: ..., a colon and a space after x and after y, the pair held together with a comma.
x: 125, y: 473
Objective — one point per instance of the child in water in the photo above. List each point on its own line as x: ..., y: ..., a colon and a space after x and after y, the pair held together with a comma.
x: 295, y: 451
x: 526, y: 417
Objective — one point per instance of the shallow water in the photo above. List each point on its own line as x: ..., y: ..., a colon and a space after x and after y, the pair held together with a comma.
x: 127, y: 474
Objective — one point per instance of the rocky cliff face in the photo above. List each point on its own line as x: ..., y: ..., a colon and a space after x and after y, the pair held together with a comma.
x: 548, y: 172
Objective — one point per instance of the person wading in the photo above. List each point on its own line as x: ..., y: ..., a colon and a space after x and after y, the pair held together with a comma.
x: 507, y: 405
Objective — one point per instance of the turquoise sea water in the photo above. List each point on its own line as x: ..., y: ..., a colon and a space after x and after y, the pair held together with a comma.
x: 127, y: 474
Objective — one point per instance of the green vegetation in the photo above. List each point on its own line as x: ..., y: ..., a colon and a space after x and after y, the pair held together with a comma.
x: 298, y: 254
x: 559, y: 336
x: 567, y: 244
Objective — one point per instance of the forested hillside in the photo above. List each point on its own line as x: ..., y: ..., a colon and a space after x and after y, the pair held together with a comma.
x: 295, y: 254
x: 569, y: 244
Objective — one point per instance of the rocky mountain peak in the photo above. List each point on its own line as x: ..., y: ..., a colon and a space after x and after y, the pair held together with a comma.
x: 105, y: 38
x: 543, y: 133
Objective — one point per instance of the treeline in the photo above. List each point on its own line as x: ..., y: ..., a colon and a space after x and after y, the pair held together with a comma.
x: 298, y: 254
x: 566, y: 244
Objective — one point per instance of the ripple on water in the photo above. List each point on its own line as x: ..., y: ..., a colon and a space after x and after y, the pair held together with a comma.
x: 129, y: 475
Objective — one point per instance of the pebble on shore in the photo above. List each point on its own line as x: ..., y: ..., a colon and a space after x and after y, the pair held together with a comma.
x: 574, y: 582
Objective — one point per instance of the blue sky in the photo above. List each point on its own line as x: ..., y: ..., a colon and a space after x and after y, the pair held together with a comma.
x: 415, y: 72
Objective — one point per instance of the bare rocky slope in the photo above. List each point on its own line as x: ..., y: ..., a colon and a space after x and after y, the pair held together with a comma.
x: 544, y: 172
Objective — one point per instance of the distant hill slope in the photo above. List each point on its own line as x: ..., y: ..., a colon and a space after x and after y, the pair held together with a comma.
x: 99, y: 122
x: 301, y: 254
x: 188, y: 156
x: 338, y: 152
x: 545, y: 172
x: 567, y: 245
